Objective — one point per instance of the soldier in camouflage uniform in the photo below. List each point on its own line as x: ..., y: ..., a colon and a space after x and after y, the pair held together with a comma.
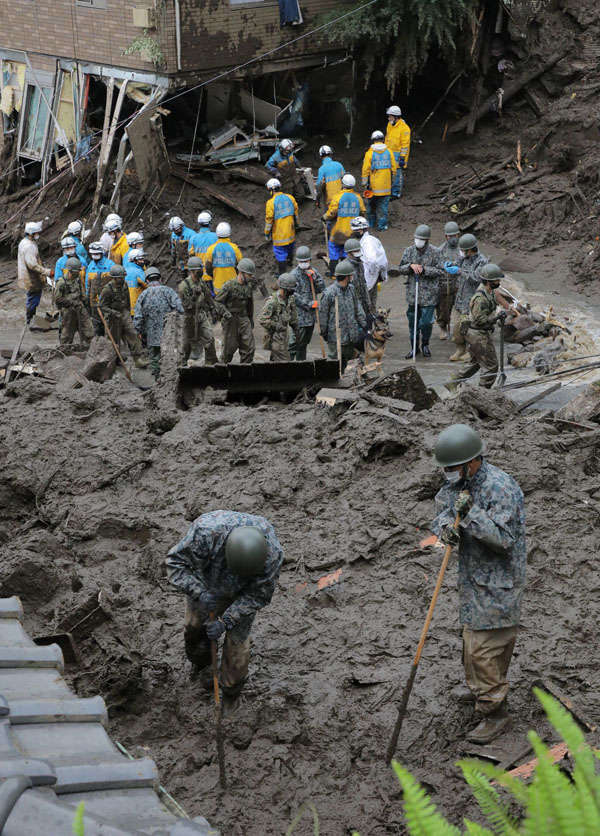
x: 353, y: 320
x: 228, y: 564
x: 278, y: 316
x: 470, y: 263
x: 236, y: 297
x: 201, y: 312
x: 70, y: 301
x: 492, y: 558
x: 114, y: 303
x: 449, y: 257
x: 353, y: 254
x: 421, y: 261
x: 306, y: 303
x: 151, y: 308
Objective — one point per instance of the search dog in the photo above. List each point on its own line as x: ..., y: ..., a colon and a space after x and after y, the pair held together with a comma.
x: 375, y: 340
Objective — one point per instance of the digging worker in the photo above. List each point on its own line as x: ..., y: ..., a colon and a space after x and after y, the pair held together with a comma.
x: 181, y: 236
x: 309, y: 283
x: 281, y: 219
x: 378, y: 172
x: 352, y: 318
x: 491, y: 567
x: 278, y: 317
x: 449, y: 258
x: 397, y: 139
x: 201, y: 311
x: 345, y: 205
x: 282, y: 164
x: 228, y: 565
x: 151, y: 309
x: 352, y: 252
x: 31, y: 272
x: 236, y: 296
x: 70, y: 301
x: 115, y: 307
x: 373, y: 256
x: 420, y: 263
x: 97, y: 276
x: 329, y: 177
x: 470, y: 262
x: 222, y: 258
x: 204, y: 237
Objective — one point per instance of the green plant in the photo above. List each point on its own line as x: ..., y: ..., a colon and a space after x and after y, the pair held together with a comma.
x: 78, y: 826
x: 147, y: 48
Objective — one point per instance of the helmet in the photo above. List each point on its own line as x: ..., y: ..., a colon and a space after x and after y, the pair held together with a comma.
x: 246, y: 265
x: 152, y: 273
x: 117, y: 271
x: 359, y: 223
x: 195, y: 263
x: 394, y: 110
x: 467, y: 242
x: 135, y: 238
x: 325, y: 151
x: 68, y: 242
x: 73, y: 263
x: 246, y: 551
x: 303, y: 254
x: 286, y: 281
x: 352, y: 245
x: 112, y: 224
x: 74, y: 227
x: 376, y: 136
x: 223, y: 230
x: 273, y: 183
x: 423, y: 231
x: 112, y: 216
x: 96, y: 247
x: 344, y: 268
x: 286, y: 145
x: 33, y: 227
x: 490, y: 273
x: 452, y: 228
x: 175, y: 223
x: 204, y: 218
x: 348, y: 181
x: 457, y: 444
x: 137, y: 255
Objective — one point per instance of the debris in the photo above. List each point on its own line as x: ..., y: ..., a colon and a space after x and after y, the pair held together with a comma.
x: 540, y: 396
x: 122, y: 470
x: 556, y: 754
x: 487, y: 403
x: 217, y: 195
x: 568, y: 703
x: 100, y: 361
x: 584, y: 407
x: 404, y: 384
x: 329, y: 580
x: 148, y: 147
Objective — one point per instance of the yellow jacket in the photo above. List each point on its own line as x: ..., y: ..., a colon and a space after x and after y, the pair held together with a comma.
x: 344, y: 206
x: 281, y: 216
x: 379, y: 167
x: 118, y: 250
x: 397, y: 139
x: 222, y: 259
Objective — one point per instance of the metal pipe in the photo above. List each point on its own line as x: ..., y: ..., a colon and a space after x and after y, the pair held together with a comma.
x: 178, y: 33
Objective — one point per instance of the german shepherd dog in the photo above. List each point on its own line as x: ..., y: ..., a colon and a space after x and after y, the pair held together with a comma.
x: 377, y: 336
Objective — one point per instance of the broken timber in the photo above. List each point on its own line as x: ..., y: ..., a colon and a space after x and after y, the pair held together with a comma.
x: 568, y: 703
x: 210, y: 190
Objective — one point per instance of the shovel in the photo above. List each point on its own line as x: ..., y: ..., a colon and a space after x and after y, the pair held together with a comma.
x: 218, y: 711
x: 501, y: 379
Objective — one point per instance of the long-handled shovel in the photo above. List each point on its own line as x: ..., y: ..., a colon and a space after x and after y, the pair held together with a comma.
x: 218, y: 711
x: 501, y: 379
x: 317, y: 321
x: 411, y: 679
x: 414, y: 357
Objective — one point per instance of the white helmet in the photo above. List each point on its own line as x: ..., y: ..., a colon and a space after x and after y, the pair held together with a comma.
x: 394, y: 110
x: 96, y: 247
x: 68, y: 243
x: 348, y: 181
x: 136, y: 255
x: 223, y: 230
x: 376, y: 136
x: 112, y: 216
x: 286, y: 145
x: 112, y: 224
x: 273, y: 184
x: 204, y: 218
x: 175, y: 223
x: 74, y: 227
x: 33, y: 227
x: 359, y: 223
x: 325, y: 151
x: 135, y: 238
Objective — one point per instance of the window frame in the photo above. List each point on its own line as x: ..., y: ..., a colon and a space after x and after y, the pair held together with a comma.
x: 28, y: 153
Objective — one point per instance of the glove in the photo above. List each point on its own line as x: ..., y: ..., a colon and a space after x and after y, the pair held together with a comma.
x: 267, y: 237
x: 463, y: 504
x: 208, y: 599
x: 502, y: 317
x: 315, y: 305
x: 215, y: 629
x: 449, y: 536
x: 464, y: 327
x: 451, y: 269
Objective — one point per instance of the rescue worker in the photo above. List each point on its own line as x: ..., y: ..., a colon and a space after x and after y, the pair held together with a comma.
x: 106, y: 239
x: 278, y: 317
x: 378, y: 172
x: 201, y: 311
x: 136, y: 242
x: 68, y: 246
x: 114, y: 304
x: 478, y: 328
x: 345, y: 205
x: 31, y: 272
x: 329, y: 177
x: 75, y: 229
x: 352, y: 252
x: 281, y: 219
x: 282, y: 164
x: 227, y: 564
x: 470, y: 262
x: 179, y: 242
x: 97, y: 275
x: 151, y: 309
x: 203, y: 238
x: 222, y: 258
x: 492, y: 559
x: 119, y: 244
x: 449, y: 257
x: 135, y: 276
x: 373, y: 257
x: 236, y: 297
x: 309, y: 283
x: 352, y: 318
x: 397, y: 139
x: 70, y: 301
x: 421, y: 261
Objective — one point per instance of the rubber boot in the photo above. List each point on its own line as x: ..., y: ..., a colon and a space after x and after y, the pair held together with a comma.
x: 454, y: 358
x: 426, y: 350
x: 281, y: 267
x: 491, y: 726
x: 141, y: 362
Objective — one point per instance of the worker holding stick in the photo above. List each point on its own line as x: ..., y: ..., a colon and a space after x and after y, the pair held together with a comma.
x: 309, y: 283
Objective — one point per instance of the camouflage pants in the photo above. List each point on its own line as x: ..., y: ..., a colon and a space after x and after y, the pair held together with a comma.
x: 76, y: 320
x: 198, y: 337
x: 280, y: 352
x: 373, y: 296
x: 238, y: 336
x: 121, y: 327
x: 301, y: 342
x: 455, y: 322
x: 348, y: 353
x: 236, y: 648
x: 445, y: 303
x: 483, y: 355
x: 154, y: 351
x: 486, y: 658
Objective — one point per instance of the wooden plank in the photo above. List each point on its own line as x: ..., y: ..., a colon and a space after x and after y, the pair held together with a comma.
x: 540, y: 396
x: 525, y: 771
x: 14, y: 356
x: 331, y: 397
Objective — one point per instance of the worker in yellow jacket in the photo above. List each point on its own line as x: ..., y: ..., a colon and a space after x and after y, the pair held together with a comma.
x: 397, y: 139
x: 345, y: 205
x: 222, y: 258
x: 119, y: 240
x: 281, y: 218
x: 378, y: 171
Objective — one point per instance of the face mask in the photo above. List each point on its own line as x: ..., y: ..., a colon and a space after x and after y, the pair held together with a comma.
x: 461, y: 253
x: 96, y: 257
x: 36, y: 237
x: 420, y: 243
x: 453, y: 242
x: 453, y: 477
x: 304, y: 265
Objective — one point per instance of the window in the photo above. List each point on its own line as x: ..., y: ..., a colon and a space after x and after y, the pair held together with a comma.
x: 35, y: 121
x: 91, y: 4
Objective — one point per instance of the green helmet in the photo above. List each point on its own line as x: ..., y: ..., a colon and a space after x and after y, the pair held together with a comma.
x: 452, y: 228
x: 352, y: 245
x: 423, y: 231
x: 152, y: 273
x: 343, y: 269
x: 118, y: 271
x: 286, y: 281
x: 457, y: 444
x: 303, y: 254
x: 247, y: 266
x: 73, y: 263
x: 195, y: 263
x: 490, y: 273
x: 246, y: 551
x: 467, y: 242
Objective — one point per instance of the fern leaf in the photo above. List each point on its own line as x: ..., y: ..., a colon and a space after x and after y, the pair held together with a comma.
x: 488, y: 799
x: 515, y: 786
x: 588, y: 806
x: 476, y: 829
x: 421, y: 813
x: 557, y: 794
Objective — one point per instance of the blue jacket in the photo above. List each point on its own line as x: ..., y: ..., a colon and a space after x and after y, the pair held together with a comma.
x: 330, y: 172
x: 278, y: 161
x: 103, y: 265
x: 201, y: 241
x: 58, y: 269
x: 81, y: 252
x: 185, y: 235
